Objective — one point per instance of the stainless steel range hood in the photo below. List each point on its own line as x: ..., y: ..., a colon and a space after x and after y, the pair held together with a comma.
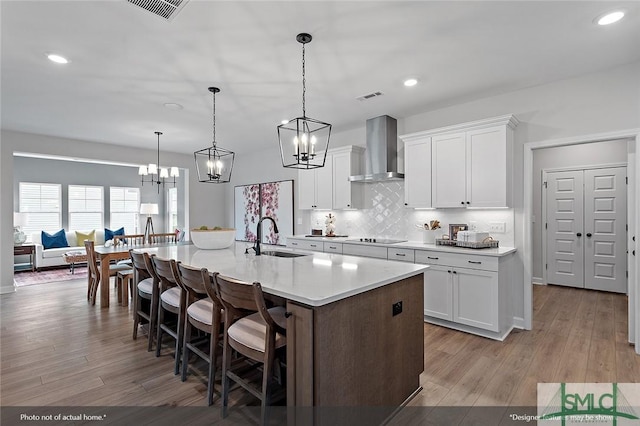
x: 382, y: 151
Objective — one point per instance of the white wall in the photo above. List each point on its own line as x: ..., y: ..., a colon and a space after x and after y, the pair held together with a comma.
x: 206, y: 202
x: 608, y: 152
x: 591, y: 103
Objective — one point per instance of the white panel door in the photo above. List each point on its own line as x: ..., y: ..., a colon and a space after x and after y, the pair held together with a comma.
x: 341, y: 184
x: 449, y: 178
x: 565, y: 249
x: 306, y: 189
x: 487, y: 167
x: 605, y: 226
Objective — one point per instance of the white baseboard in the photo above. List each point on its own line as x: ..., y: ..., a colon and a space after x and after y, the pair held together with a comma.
x: 518, y: 322
x: 537, y: 281
x: 7, y: 289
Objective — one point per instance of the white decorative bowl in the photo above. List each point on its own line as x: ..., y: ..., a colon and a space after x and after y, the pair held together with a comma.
x: 210, y: 239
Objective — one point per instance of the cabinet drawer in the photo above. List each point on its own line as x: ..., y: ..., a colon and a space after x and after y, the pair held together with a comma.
x: 366, y: 251
x: 404, y: 255
x: 305, y: 245
x: 472, y: 261
x: 333, y: 247
x: 20, y: 250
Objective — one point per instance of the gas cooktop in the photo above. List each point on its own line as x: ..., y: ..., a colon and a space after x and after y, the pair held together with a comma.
x: 377, y: 240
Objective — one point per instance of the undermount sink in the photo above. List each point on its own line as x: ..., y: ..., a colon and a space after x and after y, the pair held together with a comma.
x: 277, y: 253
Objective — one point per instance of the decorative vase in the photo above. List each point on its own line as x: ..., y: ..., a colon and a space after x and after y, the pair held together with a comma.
x: 18, y: 237
x: 429, y: 237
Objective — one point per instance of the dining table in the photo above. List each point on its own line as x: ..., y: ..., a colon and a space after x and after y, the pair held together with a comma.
x: 106, y: 254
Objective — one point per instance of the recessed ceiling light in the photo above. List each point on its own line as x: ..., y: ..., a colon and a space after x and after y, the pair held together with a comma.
x: 173, y: 105
x: 610, y: 17
x: 284, y: 121
x: 410, y: 82
x: 57, y: 58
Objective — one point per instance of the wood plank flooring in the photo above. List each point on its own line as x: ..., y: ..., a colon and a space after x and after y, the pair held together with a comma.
x: 57, y: 350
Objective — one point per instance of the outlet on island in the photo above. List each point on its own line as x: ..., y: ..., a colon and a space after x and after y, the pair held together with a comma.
x: 397, y: 308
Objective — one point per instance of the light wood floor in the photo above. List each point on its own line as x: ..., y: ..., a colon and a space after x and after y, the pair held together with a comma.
x: 56, y: 350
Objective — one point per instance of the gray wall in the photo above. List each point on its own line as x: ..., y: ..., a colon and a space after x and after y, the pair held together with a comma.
x: 67, y: 173
x: 566, y: 156
x: 203, y: 203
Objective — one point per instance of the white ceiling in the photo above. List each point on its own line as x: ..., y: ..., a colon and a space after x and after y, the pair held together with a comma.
x: 126, y: 63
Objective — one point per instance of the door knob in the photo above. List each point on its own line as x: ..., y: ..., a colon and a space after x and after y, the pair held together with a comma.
x: 579, y: 234
x: 589, y: 234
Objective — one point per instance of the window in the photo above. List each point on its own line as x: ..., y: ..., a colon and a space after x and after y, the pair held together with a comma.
x: 172, y: 210
x: 125, y: 208
x: 86, y: 208
x: 41, y: 204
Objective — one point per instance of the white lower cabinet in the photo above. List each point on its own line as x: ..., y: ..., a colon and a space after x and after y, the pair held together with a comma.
x: 467, y: 292
x: 438, y: 293
x: 475, y: 298
x: 305, y: 245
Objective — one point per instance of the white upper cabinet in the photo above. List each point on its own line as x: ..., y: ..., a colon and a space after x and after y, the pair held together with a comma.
x: 328, y: 187
x: 417, y: 172
x: 314, y: 186
x: 449, y: 179
x: 471, y: 164
x: 347, y: 162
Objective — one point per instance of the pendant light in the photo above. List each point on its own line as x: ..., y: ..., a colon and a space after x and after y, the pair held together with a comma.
x: 303, y: 140
x: 214, y: 164
x: 158, y: 175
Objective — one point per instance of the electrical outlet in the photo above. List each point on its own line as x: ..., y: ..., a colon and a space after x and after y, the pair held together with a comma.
x: 498, y: 227
x: 473, y: 225
x: 396, y: 308
x: 299, y: 221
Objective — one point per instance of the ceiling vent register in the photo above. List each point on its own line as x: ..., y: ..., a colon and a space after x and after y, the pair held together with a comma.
x: 369, y: 96
x: 166, y: 9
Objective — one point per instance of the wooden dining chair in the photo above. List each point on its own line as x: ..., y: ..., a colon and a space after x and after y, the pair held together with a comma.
x: 172, y: 300
x: 168, y: 237
x: 145, y: 298
x: 203, y: 312
x: 129, y: 240
x: 259, y: 336
x: 93, y: 270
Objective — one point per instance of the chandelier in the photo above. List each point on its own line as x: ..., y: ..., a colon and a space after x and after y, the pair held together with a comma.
x: 158, y: 175
x: 303, y: 140
x: 214, y: 164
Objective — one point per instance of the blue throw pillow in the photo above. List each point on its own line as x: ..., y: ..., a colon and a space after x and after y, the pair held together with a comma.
x: 57, y: 240
x: 108, y: 233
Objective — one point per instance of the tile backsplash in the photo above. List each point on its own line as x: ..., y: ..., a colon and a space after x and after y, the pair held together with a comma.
x: 385, y: 216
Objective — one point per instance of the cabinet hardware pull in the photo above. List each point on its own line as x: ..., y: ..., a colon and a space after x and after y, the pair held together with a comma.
x: 477, y: 263
x: 294, y: 244
x: 461, y: 202
x: 589, y: 234
x: 434, y: 258
x: 579, y: 234
x: 400, y: 254
x: 313, y: 245
x: 332, y: 247
x: 406, y: 204
x: 454, y: 272
x: 468, y: 202
x: 449, y: 271
x: 287, y: 314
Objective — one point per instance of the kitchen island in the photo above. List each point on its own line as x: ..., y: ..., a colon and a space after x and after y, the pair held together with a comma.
x: 355, y: 333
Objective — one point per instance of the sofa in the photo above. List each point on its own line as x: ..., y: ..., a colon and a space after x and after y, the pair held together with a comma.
x: 53, y: 256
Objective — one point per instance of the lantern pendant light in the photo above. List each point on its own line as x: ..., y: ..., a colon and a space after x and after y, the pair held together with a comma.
x: 303, y: 140
x: 214, y: 164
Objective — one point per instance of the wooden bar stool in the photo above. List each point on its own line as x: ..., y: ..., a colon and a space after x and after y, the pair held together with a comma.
x: 259, y: 336
x: 124, y: 283
x: 172, y: 300
x: 203, y: 312
x: 145, y: 296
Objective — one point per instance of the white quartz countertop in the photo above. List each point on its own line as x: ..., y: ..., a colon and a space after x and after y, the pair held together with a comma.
x: 418, y: 245
x: 317, y: 279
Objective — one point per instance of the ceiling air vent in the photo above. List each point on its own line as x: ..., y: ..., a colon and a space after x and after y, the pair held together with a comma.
x: 369, y: 96
x: 166, y: 9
